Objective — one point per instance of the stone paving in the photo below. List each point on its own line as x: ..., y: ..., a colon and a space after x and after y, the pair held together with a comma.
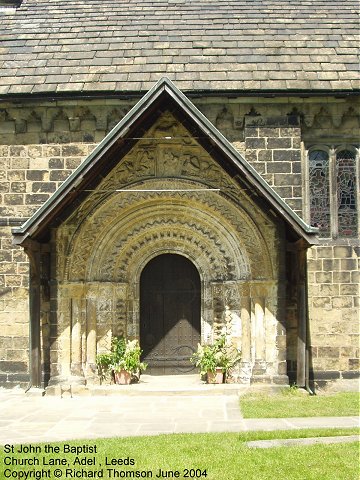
x: 146, y: 410
x: 294, y: 442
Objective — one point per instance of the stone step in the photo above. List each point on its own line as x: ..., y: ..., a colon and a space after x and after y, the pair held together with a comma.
x: 152, y: 385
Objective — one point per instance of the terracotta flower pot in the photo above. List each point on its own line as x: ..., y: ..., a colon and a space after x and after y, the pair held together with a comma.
x: 122, y: 378
x: 215, y: 377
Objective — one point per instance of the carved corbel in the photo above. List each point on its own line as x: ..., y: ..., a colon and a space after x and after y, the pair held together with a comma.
x: 48, y: 117
x: 20, y: 116
x: 101, y: 117
x: 74, y: 119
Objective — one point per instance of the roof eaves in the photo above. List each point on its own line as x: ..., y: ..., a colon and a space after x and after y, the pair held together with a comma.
x: 132, y: 94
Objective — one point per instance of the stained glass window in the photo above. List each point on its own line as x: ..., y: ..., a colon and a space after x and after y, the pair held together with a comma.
x: 319, y: 191
x: 346, y: 193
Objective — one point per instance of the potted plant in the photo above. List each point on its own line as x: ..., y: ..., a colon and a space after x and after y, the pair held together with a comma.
x: 123, y: 361
x: 216, y: 360
x: 105, y: 361
x: 129, y: 368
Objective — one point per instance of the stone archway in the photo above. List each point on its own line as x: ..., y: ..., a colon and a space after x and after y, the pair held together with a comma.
x: 164, y: 200
x: 170, y: 308
x: 108, y: 250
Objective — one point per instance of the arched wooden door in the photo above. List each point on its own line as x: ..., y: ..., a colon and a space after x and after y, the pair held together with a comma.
x: 170, y: 304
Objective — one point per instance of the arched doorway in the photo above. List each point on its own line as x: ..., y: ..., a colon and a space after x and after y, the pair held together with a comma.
x: 170, y: 305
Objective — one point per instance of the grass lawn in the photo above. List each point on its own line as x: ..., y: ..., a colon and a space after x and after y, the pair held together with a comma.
x: 293, y: 403
x: 215, y: 456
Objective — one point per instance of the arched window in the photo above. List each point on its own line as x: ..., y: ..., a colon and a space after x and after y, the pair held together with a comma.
x: 319, y: 191
x: 346, y: 193
x: 332, y: 191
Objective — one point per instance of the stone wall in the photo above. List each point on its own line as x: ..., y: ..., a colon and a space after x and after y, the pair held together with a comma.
x: 29, y: 174
x: 333, y: 273
x: 273, y: 147
x: 42, y: 143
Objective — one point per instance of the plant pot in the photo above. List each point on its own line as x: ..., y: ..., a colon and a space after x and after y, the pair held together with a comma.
x: 215, y: 377
x: 122, y: 378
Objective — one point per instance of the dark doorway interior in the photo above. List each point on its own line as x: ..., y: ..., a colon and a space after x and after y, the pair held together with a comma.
x: 170, y: 301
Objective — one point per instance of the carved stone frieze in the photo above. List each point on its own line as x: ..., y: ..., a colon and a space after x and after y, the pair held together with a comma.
x: 146, y: 211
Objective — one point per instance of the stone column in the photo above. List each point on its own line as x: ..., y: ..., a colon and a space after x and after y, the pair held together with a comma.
x: 260, y: 348
x: 275, y: 338
x: 245, y: 309
x: 90, y: 360
x: 77, y: 322
x: 60, y: 355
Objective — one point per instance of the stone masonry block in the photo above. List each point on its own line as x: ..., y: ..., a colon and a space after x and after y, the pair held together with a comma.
x: 14, y: 199
x: 295, y: 204
x: 323, y: 277
x: 349, y: 289
x: 18, y: 187
x: 19, y: 163
x: 290, y: 132
x: 72, y: 163
x: 255, y: 143
x: 52, y: 150
x: 279, y: 143
x: 5, y: 256
x: 56, y: 163
x: 342, y: 302
x: 36, y: 198
x: 269, y: 132
x: 354, y: 364
x: 322, y: 302
x: 286, y: 179
x: 260, y: 167
x: 324, y: 252
x: 349, y: 264
x: 264, y: 155
x: 286, y: 155
x: 74, y: 150
x: 13, y: 280
x: 15, y: 175
x: 328, y: 290
x: 59, y: 175
x: 342, y: 252
x: 37, y: 175
x: 296, y: 142
x: 5, y: 187
x: 331, y: 264
x: 296, y: 167
x: 252, y: 132
x: 342, y: 277
x: 43, y: 187
x: 355, y: 277
x: 251, y: 156
x: 331, y: 352
x: 279, y: 167
x: 286, y: 192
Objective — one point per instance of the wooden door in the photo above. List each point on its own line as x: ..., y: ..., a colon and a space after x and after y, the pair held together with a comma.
x: 170, y: 296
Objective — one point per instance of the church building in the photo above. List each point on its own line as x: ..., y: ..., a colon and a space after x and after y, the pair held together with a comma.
x: 171, y: 171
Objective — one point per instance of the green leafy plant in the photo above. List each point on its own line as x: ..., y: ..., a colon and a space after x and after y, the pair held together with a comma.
x: 130, y: 360
x: 220, y: 354
x: 123, y: 356
x: 105, y: 361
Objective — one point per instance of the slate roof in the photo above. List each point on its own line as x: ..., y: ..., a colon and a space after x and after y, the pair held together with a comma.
x: 80, y: 46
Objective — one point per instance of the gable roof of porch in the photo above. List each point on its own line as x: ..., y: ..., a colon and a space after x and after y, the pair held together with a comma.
x: 125, y: 134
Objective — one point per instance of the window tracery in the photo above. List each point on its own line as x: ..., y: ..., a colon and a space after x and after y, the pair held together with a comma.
x: 319, y: 191
x: 346, y: 188
x: 332, y: 191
